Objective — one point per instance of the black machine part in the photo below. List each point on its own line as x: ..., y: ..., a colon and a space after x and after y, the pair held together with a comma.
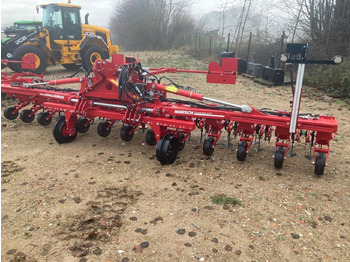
x: 296, y: 53
x: 12, y: 44
x: 272, y: 62
x: 226, y: 54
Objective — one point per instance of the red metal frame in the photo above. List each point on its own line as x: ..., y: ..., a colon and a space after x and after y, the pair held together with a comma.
x: 99, y: 97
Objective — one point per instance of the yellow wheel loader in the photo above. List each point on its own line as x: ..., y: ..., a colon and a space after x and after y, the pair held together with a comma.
x: 62, y: 39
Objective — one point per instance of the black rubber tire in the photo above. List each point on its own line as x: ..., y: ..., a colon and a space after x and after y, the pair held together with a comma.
x: 59, y: 125
x: 8, y: 113
x: 71, y: 67
x: 181, y: 145
x: 26, y: 49
x: 320, y: 164
x: 279, y: 157
x: 81, y: 127
x: 12, y: 66
x: 102, y: 129
x: 151, y: 138
x: 168, y: 149
x: 90, y: 55
x: 241, y: 151
x: 42, y: 118
x: 24, y: 115
x: 208, y: 149
x: 125, y: 133
x: 159, y: 147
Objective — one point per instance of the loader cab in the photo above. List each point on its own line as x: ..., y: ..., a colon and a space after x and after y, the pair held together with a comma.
x: 62, y: 21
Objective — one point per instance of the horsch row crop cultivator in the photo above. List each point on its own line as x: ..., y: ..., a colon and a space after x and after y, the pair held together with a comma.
x: 122, y: 90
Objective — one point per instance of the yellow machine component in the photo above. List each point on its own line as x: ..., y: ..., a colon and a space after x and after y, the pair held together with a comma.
x: 60, y: 4
x: 91, y: 30
x: 64, y: 40
x: 171, y: 88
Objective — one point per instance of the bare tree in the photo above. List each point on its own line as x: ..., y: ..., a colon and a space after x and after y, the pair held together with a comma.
x: 243, y: 26
x: 327, y: 23
x: 238, y: 27
x: 297, y: 20
x: 224, y: 6
x: 150, y: 24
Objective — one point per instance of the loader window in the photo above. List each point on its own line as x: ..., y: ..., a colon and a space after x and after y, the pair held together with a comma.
x: 52, y: 17
x: 71, y: 21
x: 63, y: 23
x: 52, y: 21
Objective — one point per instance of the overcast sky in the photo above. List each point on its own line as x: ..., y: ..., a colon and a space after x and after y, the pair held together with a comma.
x: 100, y: 11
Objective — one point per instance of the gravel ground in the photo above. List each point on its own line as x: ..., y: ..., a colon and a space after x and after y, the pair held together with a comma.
x: 103, y: 199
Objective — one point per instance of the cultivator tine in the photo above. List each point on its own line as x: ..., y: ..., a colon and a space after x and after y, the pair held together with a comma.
x: 310, y: 138
x: 292, y: 147
x: 259, y: 149
x: 258, y: 135
x: 235, y: 128
x: 201, y: 136
x: 228, y: 139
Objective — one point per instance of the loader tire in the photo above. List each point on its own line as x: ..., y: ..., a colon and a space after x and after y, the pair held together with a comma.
x: 12, y: 66
x: 40, y: 59
x: 90, y: 55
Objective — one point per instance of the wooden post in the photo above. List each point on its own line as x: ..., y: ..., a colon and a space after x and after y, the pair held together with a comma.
x: 210, y: 40
x: 250, y: 42
x: 195, y: 41
x: 199, y: 42
x: 281, y: 47
x: 228, y: 42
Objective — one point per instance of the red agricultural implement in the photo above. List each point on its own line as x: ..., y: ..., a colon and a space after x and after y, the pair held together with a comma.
x: 122, y: 90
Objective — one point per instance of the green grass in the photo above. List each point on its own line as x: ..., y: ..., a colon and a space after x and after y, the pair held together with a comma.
x: 313, y: 194
x: 175, y: 59
x: 306, y: 219
x: 224, y: 200
x: 280, y: 237
x: 340, y: 102
x: 300, y: 198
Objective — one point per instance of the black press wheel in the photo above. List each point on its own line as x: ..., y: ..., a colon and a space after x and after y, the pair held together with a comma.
x: 27, y: 116
x: 103, y: 130
x: 60, y: 132
x: 320, y: 164
x: 91, y: 55
x: 125, y: 134
x: 167, y: 149
x: 10, y: 113
x: 43, y: 118
x: 241, y: 151
x: 279, y: 157
x: 208, y: 149
x: 181, y: 144
x: 151, y: 138
x: 40, y: 59
x: 159, y: 147
x: 81, y: 125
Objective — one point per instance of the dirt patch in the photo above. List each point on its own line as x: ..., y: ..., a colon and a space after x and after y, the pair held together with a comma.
x: 7, y: 169
x: 100, y: 199
x: 100, y: 222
